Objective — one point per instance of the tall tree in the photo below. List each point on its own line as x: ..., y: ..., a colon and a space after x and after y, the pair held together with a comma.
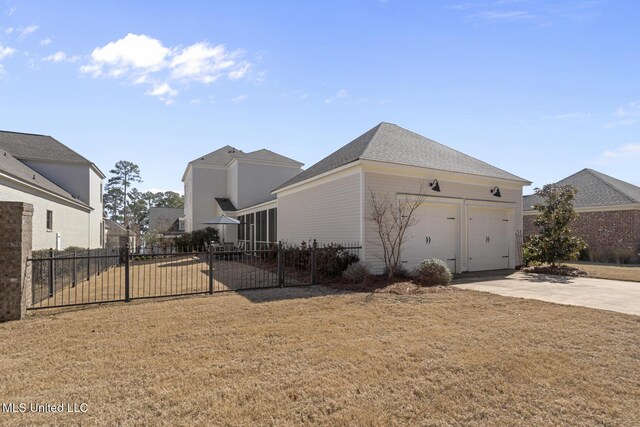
x: 555, y: 242
x: 124, y: 174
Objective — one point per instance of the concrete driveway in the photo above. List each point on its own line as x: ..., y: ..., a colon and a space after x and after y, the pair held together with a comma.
x: 614, y: 295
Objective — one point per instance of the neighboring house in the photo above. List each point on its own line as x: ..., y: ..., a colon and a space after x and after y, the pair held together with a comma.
x: 166, y: 222
x: 228, y: 180
x: 115, y: 234
x: 608, y: 215
x: 64, y: 188
x: 469, y: 219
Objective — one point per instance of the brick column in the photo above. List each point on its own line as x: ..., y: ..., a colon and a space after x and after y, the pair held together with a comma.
x: 15, y: 248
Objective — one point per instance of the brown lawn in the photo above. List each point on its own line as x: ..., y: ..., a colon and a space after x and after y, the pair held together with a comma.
x: 609, y: 271
x: 320, y: 357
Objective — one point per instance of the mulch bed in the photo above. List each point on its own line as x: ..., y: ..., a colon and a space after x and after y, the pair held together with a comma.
x: 557, y: 270
x: 384, y: 285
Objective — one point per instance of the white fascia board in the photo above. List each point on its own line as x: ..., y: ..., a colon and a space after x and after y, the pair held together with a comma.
x: 259, y: 207
x: 333, y: 174
x: 41, y: 190
x: 428, y: 173
x: 296, y: 165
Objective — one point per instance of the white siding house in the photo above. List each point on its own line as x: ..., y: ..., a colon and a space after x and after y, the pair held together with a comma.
x: 469, y: 219
x: 228, y: 181
x: 64, y: 188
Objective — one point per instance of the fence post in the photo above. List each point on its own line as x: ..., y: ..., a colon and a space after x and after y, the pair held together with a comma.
x: 126, y: 273
x: 280, y: 258
x: 52, y: 273
x: 88, y: 264
x: 314, y: 263
x: 74, y: 276
x: 211, y: 269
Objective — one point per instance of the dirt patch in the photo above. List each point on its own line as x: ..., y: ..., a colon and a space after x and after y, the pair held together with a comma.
x: 385, y: 285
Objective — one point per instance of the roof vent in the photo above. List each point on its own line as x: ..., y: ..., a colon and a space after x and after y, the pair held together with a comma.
x: 5, y: 154
x: 34, y: 176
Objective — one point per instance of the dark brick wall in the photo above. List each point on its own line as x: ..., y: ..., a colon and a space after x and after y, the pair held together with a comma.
x: 15, y: 248
x: 605, y: 232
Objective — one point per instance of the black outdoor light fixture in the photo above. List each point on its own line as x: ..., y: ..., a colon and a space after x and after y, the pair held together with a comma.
x: 435, y: 186
x: 496, y: 192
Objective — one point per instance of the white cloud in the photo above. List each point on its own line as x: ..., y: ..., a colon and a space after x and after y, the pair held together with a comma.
x: 9, y: 30
x: 626, y: 115
x: 141, y: 59
x: 624, y: 151
x: 504, y: 15
x: 341, y: 94
x: 46, y: 42
x: 60, y: 56
x: 239, y: 98
x: 133, y: 52
x: 194, y: 102
x: 6, y: 52
x: 28, y: 30
x: 163, y: 90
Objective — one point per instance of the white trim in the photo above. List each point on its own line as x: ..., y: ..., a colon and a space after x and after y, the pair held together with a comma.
x: 363, y: 218
x: 47, y: 192
x: 256, y: 208
x: 295, y: 165
x: 421, y: 172
x: 308, y: 183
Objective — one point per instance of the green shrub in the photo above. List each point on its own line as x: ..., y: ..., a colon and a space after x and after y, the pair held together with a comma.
x: 432, y: 272
x: 356, y: 272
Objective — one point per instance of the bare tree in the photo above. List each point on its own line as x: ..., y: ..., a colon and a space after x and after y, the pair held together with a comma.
x: 390, y: 219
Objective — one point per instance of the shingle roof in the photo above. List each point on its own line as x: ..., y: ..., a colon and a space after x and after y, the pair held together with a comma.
x: 225, y: 204
x: 114, y: 228
x: 26, y: 146
x: 18, y: 170
x: 595, y: 189
x: 222, y: 156
x: 162, y: 218
x: 392, y: 144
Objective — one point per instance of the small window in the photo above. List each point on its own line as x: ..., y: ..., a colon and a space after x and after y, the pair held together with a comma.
x: 180, y: 224
x: 49, y: 220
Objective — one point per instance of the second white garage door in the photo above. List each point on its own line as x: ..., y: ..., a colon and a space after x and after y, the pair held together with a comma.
x: 488, y: 238
x: 435, y: 235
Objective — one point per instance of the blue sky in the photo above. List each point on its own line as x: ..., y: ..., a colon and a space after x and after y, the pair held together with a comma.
x: 540, y: 88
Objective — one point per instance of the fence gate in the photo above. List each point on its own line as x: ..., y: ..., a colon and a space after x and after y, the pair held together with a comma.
x: 101, y: 276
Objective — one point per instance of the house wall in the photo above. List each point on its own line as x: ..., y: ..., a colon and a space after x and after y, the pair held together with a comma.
x: 208, y: 183
x: 70, y: 222
x: 608, y: 233
x: 255, y: 181
x: 188, y: 200
x: 232, y: 183
x: 464, y: 190
x: 328, y: 212
x: 97, y: 214
x: 73, y: 178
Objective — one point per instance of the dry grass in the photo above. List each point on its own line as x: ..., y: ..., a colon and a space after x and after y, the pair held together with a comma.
x: 609, y: 271
x: 319, y: 356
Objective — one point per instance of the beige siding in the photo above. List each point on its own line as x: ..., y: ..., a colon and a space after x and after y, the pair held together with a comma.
x: 71, y: 223
x: 255, y: 181
x: 328, y: 212
x: 466, y: 190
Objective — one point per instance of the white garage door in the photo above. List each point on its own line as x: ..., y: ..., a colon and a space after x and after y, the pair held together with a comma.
x: 488, y: 232
x: 434, y: 235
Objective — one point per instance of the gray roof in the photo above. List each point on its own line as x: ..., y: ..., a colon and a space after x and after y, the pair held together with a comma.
x: 114, y: 228
x: 595, y: 189
x: 224, y: 155
x: 27, y: 146
x: 225, y: 204
x: 392, y: 144
x: 162, y: 219
x: 18, y: 170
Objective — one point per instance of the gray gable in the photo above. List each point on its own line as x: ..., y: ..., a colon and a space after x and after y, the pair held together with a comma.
x: 595, y: 189
x: 390, y: 143
x: 18, y: 170
x: 222, y: 156
x: 26, y: 146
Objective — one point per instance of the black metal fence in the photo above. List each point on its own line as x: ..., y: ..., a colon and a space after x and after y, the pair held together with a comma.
x: 98, y: 277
